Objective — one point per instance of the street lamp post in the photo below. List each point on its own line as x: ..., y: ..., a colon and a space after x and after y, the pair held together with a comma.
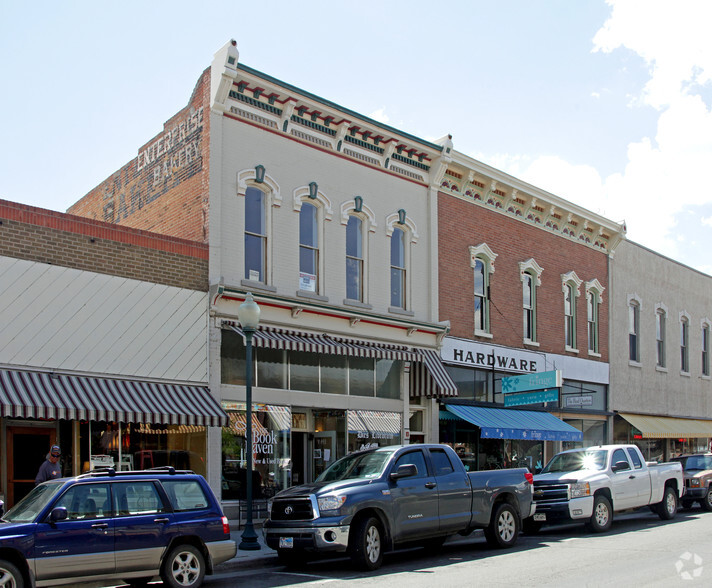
x: 248, y: 314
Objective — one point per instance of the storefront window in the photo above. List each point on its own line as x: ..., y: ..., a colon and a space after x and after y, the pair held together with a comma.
x: 388, y: 384
x: 271, y: 368
x: 139, y: 446
x: 361, y: 376
x: 271, y: 464
x: 303, y: 371
x: 585, y: 395
x: 370, y: 428
x: 334, y: 374
x: 329, y: 438
x: 594, y: 433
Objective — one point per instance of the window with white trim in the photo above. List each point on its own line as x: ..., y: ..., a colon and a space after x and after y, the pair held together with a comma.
x: 684, y: 343
x: 570, y: 284
x: 354, y: 258
x: 255, y: 235
x: 594, y: 298
x: 530, y: 275
x: 482, y: 262
x: 660, y: 325
x: 634, y: 331
x: 309, y: 248
x: 403, y: 233
x: 705, y: 348
x: 398, y: 273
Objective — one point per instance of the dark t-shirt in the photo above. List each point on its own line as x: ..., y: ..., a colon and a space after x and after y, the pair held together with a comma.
x: 48, y: 471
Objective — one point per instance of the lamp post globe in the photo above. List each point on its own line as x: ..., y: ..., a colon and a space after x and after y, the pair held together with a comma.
x: 248, y: 313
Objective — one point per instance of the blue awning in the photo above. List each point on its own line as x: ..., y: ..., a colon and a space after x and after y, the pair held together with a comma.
x: 502, y: 423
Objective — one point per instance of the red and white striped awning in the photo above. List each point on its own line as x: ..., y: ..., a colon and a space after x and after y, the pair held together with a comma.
x: 273, y: 338
x: 428, y: 376
x: 43, y: 395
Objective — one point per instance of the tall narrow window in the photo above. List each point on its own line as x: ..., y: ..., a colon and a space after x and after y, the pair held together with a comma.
x: 570, y: 317
x: 398, y: 268
x: 705, y: 349
x: 592, y: 316
x: 308, y: 248
x: 684, y: 345
x: 528, y: 305
x: 481, y: 298
x: 660, y: 338
x: 634, y: 332
x: 255, y: 235
x: 354, y: 259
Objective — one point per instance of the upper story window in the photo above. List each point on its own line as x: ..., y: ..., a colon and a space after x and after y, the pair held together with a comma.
x: 570, y: 284
x: 660, y: 322
x: 308, y: 248
x: 354, y: 259
x: 684, y: 343
x: 530, y: 274
x: 634, y: 331
x: 482, y: 262
x: 359, y: 221
x: 705, y: 348
x: 261, y: 193
x: 255, y: 235
x: 398, y: 268
x: 594, y: 298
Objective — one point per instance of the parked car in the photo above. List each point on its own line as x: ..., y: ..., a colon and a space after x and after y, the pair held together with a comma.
x: 697, y: 469
x: 107, y: 525
x: 372, y: 501
x: 592, y: 484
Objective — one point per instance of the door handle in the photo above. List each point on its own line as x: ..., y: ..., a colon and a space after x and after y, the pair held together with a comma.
x: 631, y: 477
x: 160, y: 520
x: 430, y: 484
x: 100, y: 526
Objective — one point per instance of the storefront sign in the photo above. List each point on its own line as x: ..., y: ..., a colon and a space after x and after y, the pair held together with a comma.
x: 527, y: 382
x: 531, y: 397
x: 473, y: 354
x: 586, y: 400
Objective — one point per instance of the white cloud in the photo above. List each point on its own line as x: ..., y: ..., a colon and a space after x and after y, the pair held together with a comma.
x: 707, y: 221
x: 380, y: 115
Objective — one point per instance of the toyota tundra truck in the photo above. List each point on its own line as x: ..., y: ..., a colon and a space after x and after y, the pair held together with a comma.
x: 372, y: 501
x: 591, y: 484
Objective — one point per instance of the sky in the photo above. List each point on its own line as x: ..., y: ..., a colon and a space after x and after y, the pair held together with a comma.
x: 606, y: 103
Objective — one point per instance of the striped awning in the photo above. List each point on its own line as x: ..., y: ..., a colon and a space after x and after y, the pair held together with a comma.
x: 658, y: 427
x: 273, y: 338
x: 374, y: 422
x: 428, y: 376
x: 43, y: 395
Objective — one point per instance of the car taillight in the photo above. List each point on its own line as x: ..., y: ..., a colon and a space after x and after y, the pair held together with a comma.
x: 529, y: 477
x: 226, y: 526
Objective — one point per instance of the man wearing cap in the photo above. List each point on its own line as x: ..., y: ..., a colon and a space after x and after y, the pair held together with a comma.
x: 50, y: 469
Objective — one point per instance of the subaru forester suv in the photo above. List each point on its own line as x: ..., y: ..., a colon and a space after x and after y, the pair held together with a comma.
x: 130, y: 526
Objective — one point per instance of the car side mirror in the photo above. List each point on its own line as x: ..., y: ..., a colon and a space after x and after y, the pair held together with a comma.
x: 407, y: 470
x: 58, y: 514
x: 620, y: 466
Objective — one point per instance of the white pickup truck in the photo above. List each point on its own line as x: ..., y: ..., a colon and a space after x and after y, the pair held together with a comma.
x: 590, y: 484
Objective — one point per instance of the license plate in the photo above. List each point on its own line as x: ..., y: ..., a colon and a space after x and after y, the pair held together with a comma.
x: 286, y: 542
x: 539, y: 516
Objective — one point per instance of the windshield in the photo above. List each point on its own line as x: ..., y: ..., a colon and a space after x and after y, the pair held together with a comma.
x: 30, y: 506
x: 358, y: 466
x: 575, y: 461
x: 697, y: 462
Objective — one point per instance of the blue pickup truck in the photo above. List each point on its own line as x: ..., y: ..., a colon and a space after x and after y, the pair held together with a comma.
x: 107, y: 525
x: 372, y: 501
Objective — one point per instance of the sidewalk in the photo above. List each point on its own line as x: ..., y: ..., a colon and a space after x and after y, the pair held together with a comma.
x: 264, y: 556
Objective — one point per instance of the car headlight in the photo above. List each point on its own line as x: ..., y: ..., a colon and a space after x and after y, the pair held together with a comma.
x: 331, y: 502
x: 694, y: 482
x: 580, y: 489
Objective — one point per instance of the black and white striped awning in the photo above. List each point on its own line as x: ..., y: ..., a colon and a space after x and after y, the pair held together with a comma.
x: 43, y: 395
x: 428, y: 376
x: 273, y: 338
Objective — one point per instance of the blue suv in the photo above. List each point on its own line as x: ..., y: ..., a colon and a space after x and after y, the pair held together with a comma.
x: 115, y: 525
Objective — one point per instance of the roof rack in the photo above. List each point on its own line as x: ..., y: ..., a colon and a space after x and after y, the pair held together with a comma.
x: 111, y: 472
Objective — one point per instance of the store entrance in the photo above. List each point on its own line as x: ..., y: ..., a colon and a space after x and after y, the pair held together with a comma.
x: 300, y: 464
x: 27, y: 449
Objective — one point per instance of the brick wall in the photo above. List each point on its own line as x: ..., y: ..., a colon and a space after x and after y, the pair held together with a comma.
x: 164, y: 189
x: 462, y: 224
x: 66, y: 240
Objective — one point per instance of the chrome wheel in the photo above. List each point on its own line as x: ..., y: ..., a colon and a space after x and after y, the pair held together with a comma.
x: 10, y: 576
x: 601, y: 514
x: 506, y: 526
x: 184, y: 567
x: 373, y: 544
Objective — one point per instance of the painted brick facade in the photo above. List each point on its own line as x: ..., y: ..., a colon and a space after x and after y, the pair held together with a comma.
x: 165, y: 188
x: 66, y: 240
x: 462, y: 224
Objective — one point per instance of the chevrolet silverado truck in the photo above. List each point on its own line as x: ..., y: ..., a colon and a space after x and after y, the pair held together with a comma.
x: 372, y: 501
x: 592, y: 484
x: 697, y: 469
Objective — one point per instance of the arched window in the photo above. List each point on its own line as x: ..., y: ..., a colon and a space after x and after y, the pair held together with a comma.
x: 308, y: 248
x: 255, y: 235
x: 634, y: 332
x: 705, y: 348
x: 398, y: 271
x: 660, y: 323
x: 684, y: 343
x: 530, y: 274
x: 594, y: 298
x: 570, y: 284
x: 354, y: 258
x: 482, y: 262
